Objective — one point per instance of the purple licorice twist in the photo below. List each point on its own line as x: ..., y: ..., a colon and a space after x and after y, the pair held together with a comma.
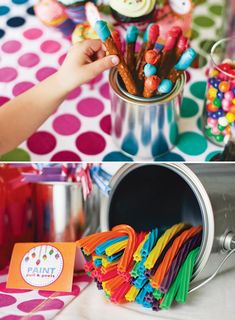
x: 179, y: 259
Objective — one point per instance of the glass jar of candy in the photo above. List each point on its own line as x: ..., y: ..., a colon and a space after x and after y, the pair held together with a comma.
x: 219, y: 110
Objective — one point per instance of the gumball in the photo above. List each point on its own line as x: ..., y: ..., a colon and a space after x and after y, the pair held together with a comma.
x: 232, y: 72
x: 223, y: 77
x: 228, y: 130
x: 230, y: 117
x: 212, y: 122
x: 214, y: 115
x: 209, y: 114
x: 213, y: 73
x: 211, y: 107
x: 233, y: 101
x: 220, y: 128
x: 220, y: 112
x: 216, y: 84
x: 219, y: 137
x: 212, y: 81
x: 208, y: 132
x: 220, y: 95
x: 212, y: 93
x: 232, y: 109
x: 217, y: 102
x: 226, y: 67
x: 226, y: 105
x: 215, y: 130
x: 224, y: 86
x: 223, y: 121
x: 229, y: 95
x: 233, y: 90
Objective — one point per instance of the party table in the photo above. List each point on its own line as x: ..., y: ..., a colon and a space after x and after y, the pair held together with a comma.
x: 80, y: 129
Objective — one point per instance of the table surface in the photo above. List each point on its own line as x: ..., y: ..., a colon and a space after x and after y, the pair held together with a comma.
x: 213, y: 301
x: 80, y: 129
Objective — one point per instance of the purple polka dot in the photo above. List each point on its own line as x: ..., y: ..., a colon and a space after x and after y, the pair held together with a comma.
x: 65, y: 156
x: 29, y: 60
x: 53, y: 304
x: 61, y: 58
x: 4, y: 289
x: 21, y: 87
x: 105, y: 124
x: 90, y: 143
x: 50, y: 46
x: 90, y: 107
x: 74, y: 94
x: 66, y: 124
x: 47, y: 294
x: 11, y: 46
x: 6, y: 300
x: 104, y: 90
x: 33, y: 33
x: 41, y: 142
x: 44, y: 73
x: 3, y: 100
x: 7, y: 74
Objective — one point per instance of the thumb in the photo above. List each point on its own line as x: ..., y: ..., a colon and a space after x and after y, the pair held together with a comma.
x: 95, y: 68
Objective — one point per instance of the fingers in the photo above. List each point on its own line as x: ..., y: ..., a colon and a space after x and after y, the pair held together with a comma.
x: 90, y: 47
x: 95, y: 68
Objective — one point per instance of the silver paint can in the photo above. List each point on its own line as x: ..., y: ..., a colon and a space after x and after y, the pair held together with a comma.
x: 144, y: 127
x: 61, y: 213
x: 162, y: 194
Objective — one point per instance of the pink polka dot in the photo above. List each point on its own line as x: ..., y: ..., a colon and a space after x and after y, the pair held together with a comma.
x: 96, y: 80
x: 104, y: 90
x: 11, y: 46
x: 66, y: 124
x: 90, y: 107
x: 188, y: 76
x: 21, y: 87
x: 82, y: 278
x: 65, y: 156
x: 6, y: 300
x: 50, y: 46
x: 74, y: 94
x: 28, y: 306
x: 61, y: 58
x: 3, y: 100
x: 47, y: 294
x: 4, y: 289
x: 41, y: 142
x: 33, y: 33
x: 13, y: 317
x: 105, y: 124
x: 90, y: 143
x: 44, y: 73
x: 7, y: 74
x: 29, y: 60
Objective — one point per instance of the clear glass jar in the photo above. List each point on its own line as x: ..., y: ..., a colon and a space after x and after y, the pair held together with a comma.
x: 219, y: 110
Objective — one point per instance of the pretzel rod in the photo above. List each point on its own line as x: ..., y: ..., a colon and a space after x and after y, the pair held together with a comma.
x: 151, y: 80
x: 153, y: 34
x: 105, y: 36
x: 131, y: 37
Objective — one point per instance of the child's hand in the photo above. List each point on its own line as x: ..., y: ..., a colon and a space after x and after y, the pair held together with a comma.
x: 84, y: 62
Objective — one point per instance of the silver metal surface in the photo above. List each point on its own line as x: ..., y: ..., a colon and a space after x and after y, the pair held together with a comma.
x: 144, y: 128
x: 61, y: 212
x: 161, y: 194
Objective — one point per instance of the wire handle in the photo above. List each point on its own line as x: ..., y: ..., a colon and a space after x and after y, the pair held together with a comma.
x: 214, y: 274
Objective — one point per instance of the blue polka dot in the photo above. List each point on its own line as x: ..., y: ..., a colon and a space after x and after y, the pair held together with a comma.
x: 4, y: 10
x: 2, y: 32
x: 19, y: 1
x: 15, y: 22
x: 160, y: 145
x: 30, y: 11
x: 116, y: 156
x: 130, y: 144
x: 170, y: 156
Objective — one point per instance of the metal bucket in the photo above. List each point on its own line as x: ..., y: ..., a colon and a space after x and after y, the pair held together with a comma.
x: 162, y: 194
x: 61, y: 212
x: 145, y: 128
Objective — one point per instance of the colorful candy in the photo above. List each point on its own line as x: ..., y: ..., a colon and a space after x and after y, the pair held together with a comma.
x: 153, y: 269
x: 220, y: 105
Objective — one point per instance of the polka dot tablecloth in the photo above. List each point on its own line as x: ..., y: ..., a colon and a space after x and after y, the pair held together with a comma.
x: 80, y: 129
x: 36, y: 305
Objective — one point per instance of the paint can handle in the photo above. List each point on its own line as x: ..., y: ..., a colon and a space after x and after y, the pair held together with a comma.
x: 214, y: 274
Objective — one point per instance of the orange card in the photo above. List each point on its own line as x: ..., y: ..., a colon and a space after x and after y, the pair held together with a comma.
x: 42, y: 266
